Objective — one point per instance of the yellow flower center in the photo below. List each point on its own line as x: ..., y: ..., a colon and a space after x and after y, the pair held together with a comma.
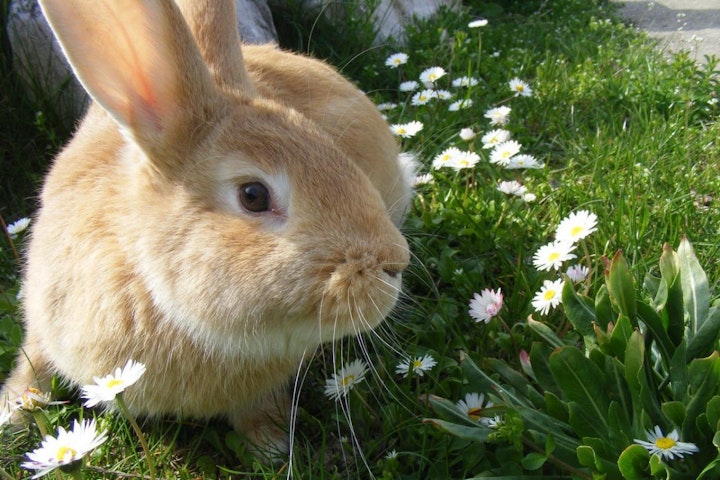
x: 474, y: 413
x: 66, y: 453
x: 520, y: 88
x: 506, y: 154
x: 577, y: 230
x: 417, y: 364
x: 114, y: 383
x: 665, y: 443
x: 549, y: 294
x: 401, y: 131
x: 348, y: 380
x: 553, y: 256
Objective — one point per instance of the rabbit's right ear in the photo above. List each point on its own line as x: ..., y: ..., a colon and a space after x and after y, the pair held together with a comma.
x: 138, y: 60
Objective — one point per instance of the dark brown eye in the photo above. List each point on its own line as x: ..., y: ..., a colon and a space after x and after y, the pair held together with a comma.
x: 254, y: 197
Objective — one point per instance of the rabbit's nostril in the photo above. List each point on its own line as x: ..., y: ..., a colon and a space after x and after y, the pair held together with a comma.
x: 392, y: 272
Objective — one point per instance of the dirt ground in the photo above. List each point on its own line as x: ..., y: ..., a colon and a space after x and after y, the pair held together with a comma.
x: 692, y: 25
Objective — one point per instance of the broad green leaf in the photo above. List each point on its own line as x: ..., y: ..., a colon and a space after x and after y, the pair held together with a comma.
x: 556, y: 407
x: 675, y: 412
x: 655, y: 327
x: 669, y: 264
x: 533, y: 461
x: 482, y: 382
x: 643, y: 396
x: 696, y: 293
x: 621, y: 287
x: 619, y: 337
x: 658, y: 469
x: 585, y: 424
x: 539, y: 355
x: 581, y: 381
x: 706, y: 336
x: 651, y: 284
x: 704, y: 383
x: 544, y: 332
x: 586, y: 456
x: 579, y: 309
x: 713, y: 413
x: 511, y: 377
x: 711, y: 470
x: 673, y: 314
x: 618, y: 426
x: 678, y: 373
x: 603, y: 308
x: 475, y: 434
x: 633, y: 463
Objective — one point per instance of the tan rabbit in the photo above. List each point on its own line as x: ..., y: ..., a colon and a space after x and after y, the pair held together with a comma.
x: 213, y: 222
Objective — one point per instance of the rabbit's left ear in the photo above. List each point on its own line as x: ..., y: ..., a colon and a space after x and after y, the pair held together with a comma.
x: 137, y: 59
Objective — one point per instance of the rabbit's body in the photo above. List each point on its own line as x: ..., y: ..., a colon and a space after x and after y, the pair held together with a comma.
x: 150, y: 243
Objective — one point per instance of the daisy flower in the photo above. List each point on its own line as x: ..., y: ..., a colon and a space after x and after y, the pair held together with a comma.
x: 464, y: 160
x: 549, y: 296
x: 443, y: 94
x: 422, y: 179
x: 499, y: 115
x: 467, y: 134
x: 432, y: 75
x: 480, y: 22
x: 520, y: 88
x: 495, y: 137
x: 512, y: 187
x: 341, y: 383
x: 423, y: 97
x: 409, y: 86
x: 65, y: 449
x: 406, y: 130
x: 386, y: 106
x: 33, y: 399
x: 460, y: 104
x: 552, y: 255
x: 396, y: 59
x: 472, y: 405
x: 486, y: 304
x: 465, y: 81
x: 578, y: 273
x: 418, y: 365
x: 18, y: 226
x: 446, y: 158
x: 529, y: 197
x: 392, y: 454
x: 523, y: 161
x: 576, y: 226
x: 666, y: 446
x: 106, y: 388
x: 494, y: 422
x: 503, y: 152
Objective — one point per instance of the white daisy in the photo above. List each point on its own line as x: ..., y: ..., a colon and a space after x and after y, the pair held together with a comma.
x: 406, y: 130
x: 386, y: 106
x: 512, y: 187
x: 465, y: 81
x: 392, y: 454
x: 460, y: 104
x: 422, y: 179
x: 523, y: 161
x: 443, y: 95
x: 418, y: 365
x: 495, y: 137
x: 467, y: 134
x: 520, y: 88
x: 576, y: 226
x: 473, y: 405
x: 423, y: 97
x: 578, y: 273
x: 396, y: 59
x: 480, y: 22
x: 529, y: 197
x: 552, y: 255
x: 108, y: 387
x: 499, y: 115
x: 18, y: 226
x: 486, y: 304
x: 503, y: 152
x: 446, y: 158
x: 409, y: 86
x: 66, y: 448
x: 549, y: 296
x: 666, y: 446
x: 340, y: 384
x: 494, y: 422
x: 432, y: 75
x: 33, y: 399
x: 464, y: 160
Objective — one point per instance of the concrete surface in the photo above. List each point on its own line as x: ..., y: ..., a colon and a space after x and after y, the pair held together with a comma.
x: 692, y: 25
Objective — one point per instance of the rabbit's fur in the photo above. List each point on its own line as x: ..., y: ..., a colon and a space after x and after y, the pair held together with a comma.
x: 143, y: 249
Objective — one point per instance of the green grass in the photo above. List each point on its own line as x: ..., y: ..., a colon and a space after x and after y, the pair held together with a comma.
x: 624, y: 131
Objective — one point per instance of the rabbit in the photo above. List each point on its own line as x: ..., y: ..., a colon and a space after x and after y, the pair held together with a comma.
x: 220, y: 212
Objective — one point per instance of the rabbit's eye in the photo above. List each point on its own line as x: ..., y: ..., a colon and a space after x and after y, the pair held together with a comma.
x: 254, y: 197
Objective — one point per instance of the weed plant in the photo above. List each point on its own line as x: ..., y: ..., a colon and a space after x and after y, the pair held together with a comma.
x: 619, y: 130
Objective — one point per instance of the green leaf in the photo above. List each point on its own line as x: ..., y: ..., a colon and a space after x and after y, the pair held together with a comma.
x: 533, y: 461
x: 482, y: 382
x: 657, y: 468
x: 621, y: 287
x: 619, y: 337
x: 556, y: 407
x: 705, y: 339
x: 678, y: 373
x: 474, y: 434
x: 696, y: 293
x: 586, y: 456
x: 582, y: 383
x: 544, y: 332
x: 675, y: 411
x: 656, y: 328
x: 603, y: 308
x: 634, y: 463
x: 643, y: 396
x: 579, y: 310
x: 713, y: 413
x: 704, y: 383
x: 539, y: 355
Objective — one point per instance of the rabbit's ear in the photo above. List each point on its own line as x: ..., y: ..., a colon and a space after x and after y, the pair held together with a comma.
x: 214, y: 25
x: 137, y: 59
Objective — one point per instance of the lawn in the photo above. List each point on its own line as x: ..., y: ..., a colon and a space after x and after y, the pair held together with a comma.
x: 559, y: 318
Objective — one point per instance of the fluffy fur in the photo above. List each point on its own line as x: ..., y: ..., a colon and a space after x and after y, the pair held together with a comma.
x: 141, y: 248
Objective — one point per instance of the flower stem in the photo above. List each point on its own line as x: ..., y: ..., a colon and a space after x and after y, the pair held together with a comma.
x: 41, y: 421
x: 5, y: 475
x: 123, y: 407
